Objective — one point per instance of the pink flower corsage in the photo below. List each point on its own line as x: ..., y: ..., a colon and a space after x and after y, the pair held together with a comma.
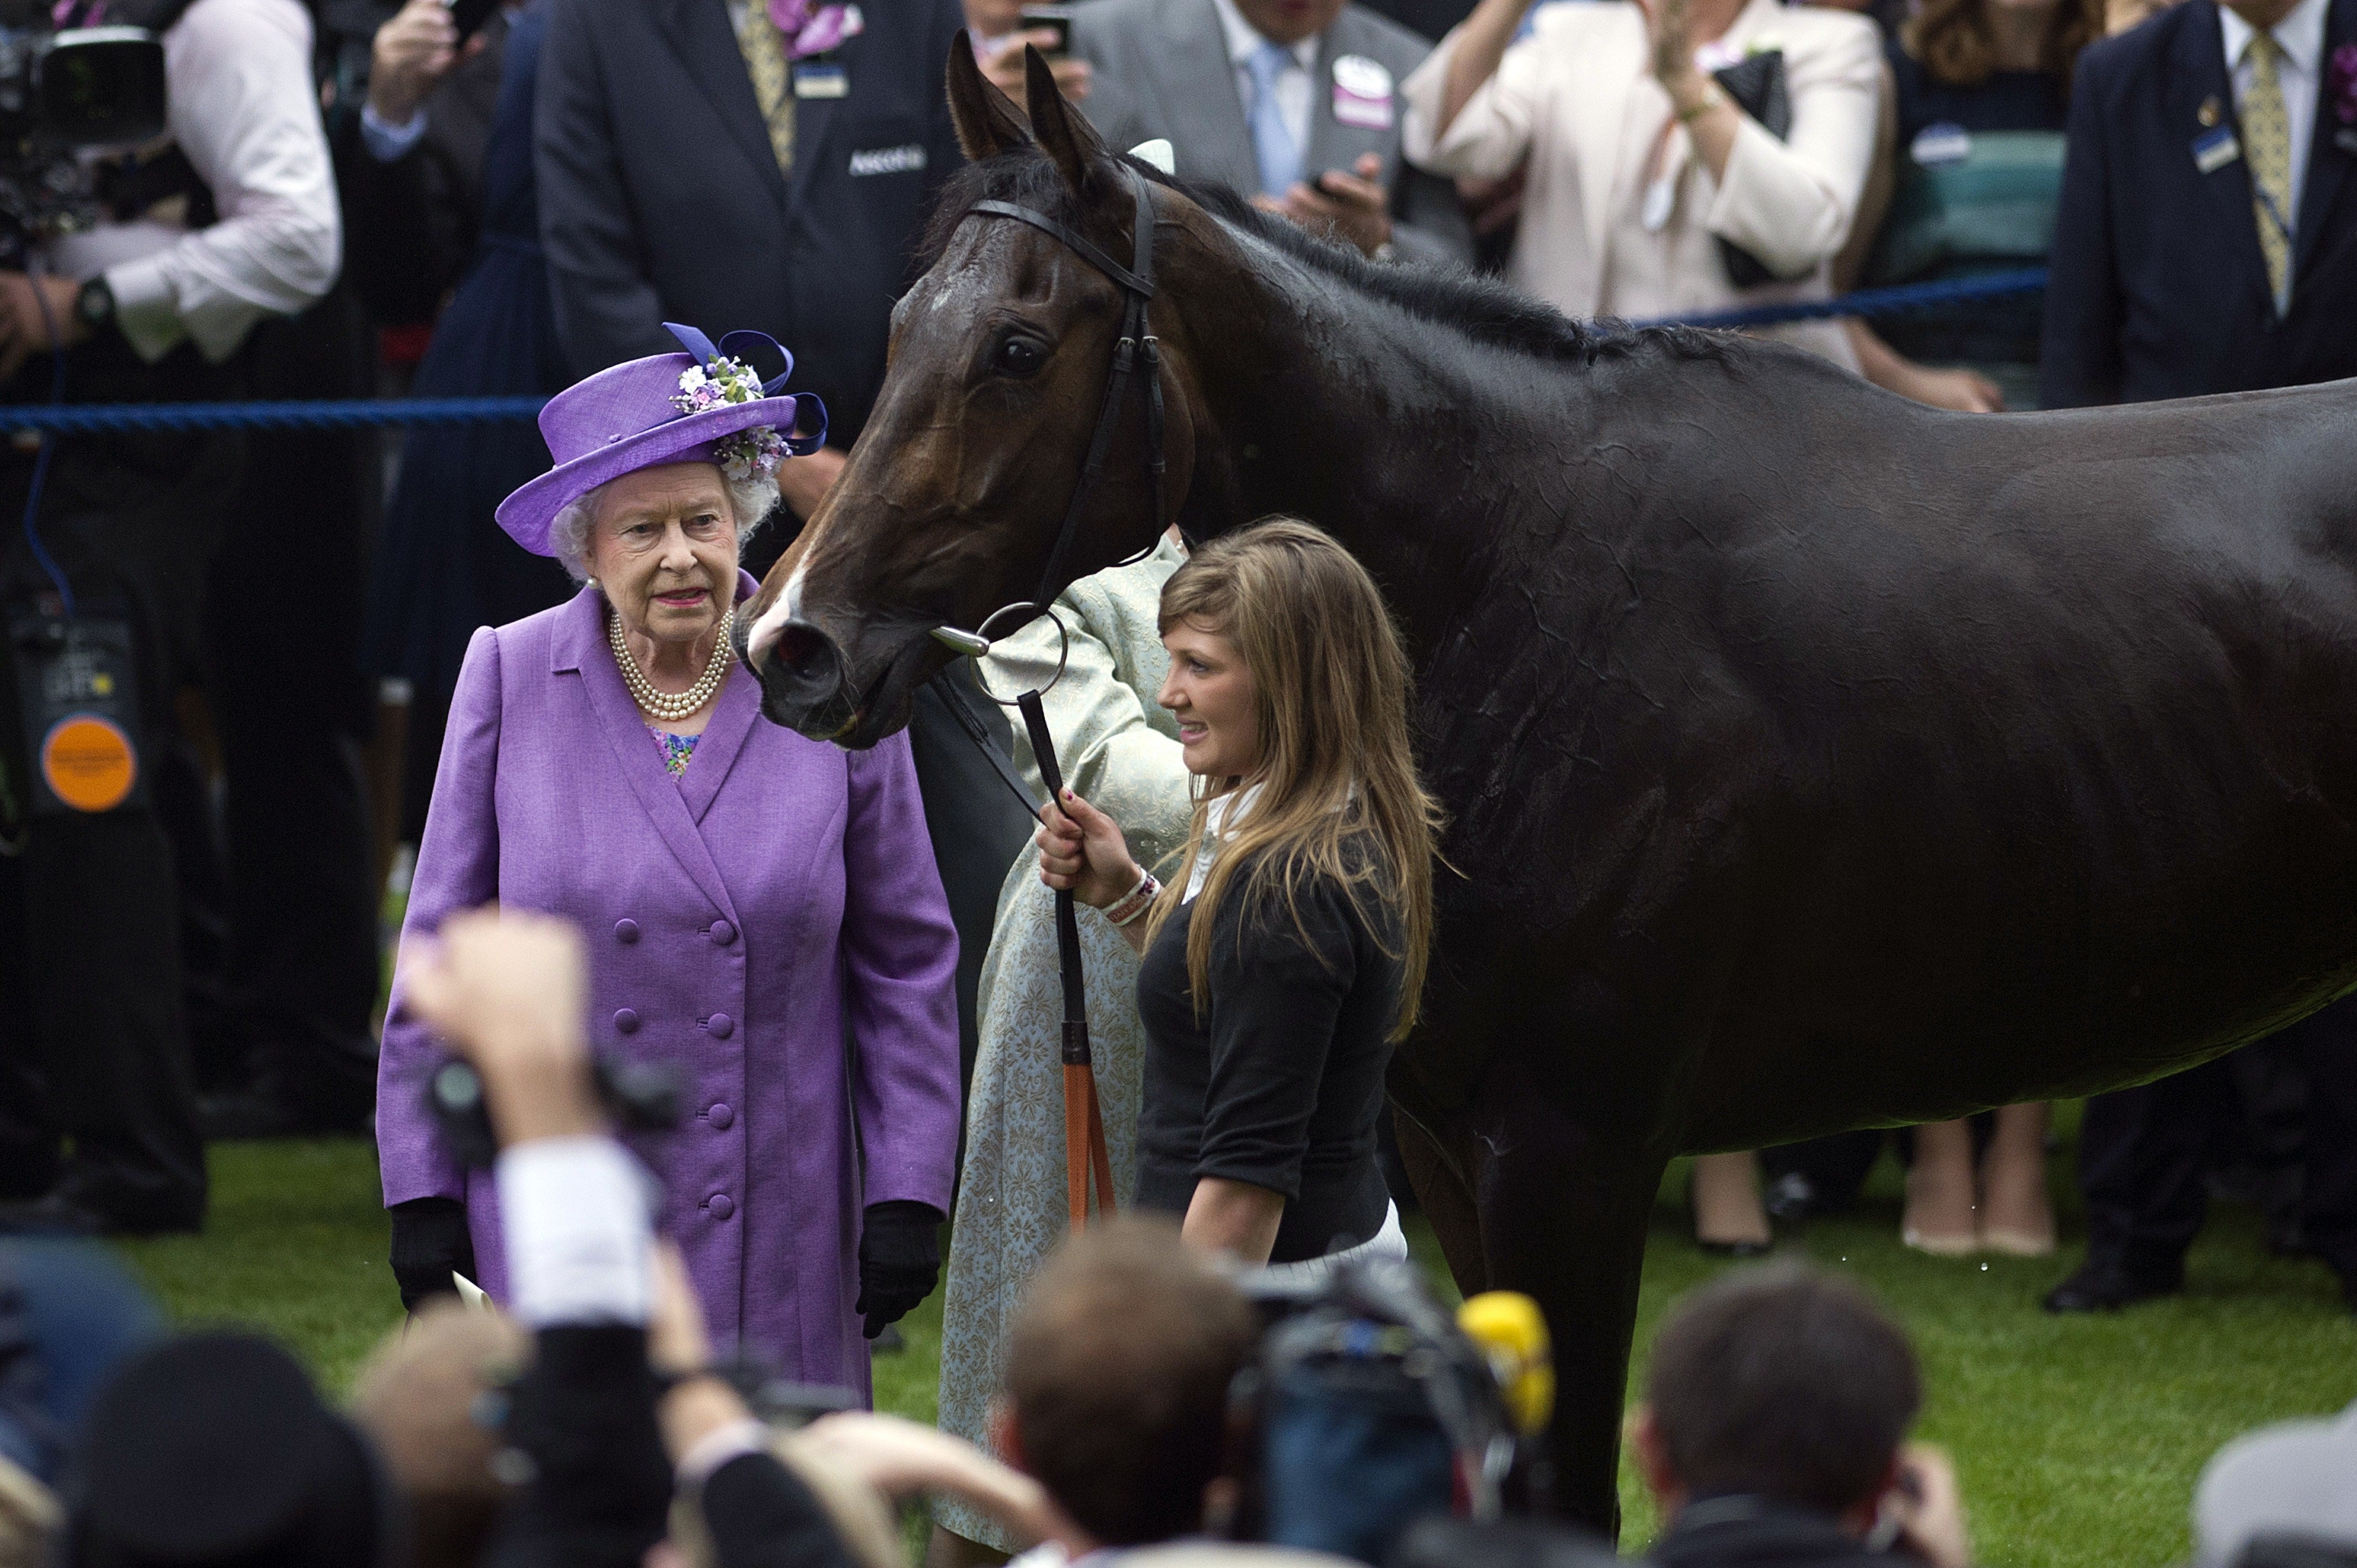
x: 810, y: 29
x: 2342, y: 77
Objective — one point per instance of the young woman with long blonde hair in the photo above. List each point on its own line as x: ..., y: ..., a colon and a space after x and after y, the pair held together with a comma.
x: 1286, y: 954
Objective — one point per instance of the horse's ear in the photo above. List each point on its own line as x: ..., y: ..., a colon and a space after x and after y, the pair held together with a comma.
x: 1063, y: 132
x: 986, y: 121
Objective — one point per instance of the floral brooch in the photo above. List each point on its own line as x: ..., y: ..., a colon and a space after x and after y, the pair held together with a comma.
x: 2344, y: 88
x: 716, y: 383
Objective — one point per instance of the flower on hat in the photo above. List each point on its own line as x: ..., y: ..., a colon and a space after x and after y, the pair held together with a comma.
x: 716, y: 383
x: 2343, y: 76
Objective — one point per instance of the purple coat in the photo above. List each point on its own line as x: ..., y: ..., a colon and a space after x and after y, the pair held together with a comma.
x: 738, y: 916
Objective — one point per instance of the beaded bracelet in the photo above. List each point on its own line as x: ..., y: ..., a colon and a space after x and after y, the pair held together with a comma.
x: 1134, y: 902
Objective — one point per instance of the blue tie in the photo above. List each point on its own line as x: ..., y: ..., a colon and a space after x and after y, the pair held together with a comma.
x: 1280, y: 160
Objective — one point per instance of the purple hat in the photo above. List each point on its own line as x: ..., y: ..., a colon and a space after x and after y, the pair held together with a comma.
x: 702, y: 405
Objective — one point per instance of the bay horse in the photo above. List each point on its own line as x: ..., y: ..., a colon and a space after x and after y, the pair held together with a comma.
x: 1815, y: 761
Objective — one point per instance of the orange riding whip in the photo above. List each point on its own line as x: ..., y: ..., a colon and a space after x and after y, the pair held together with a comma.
x: 1085, y: 1151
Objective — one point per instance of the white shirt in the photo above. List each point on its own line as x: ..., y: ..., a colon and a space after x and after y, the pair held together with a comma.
x: 1216, y: 825
x: 386, y: 142
x: 2300, y: 38
x: 576, y: 1223
x: 1293, y: 82
x: 237, y: 77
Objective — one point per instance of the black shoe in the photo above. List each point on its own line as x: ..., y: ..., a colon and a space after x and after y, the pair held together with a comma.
x: 2108, y: 1287
x: 61, y: 1214
x: 260, y: 1113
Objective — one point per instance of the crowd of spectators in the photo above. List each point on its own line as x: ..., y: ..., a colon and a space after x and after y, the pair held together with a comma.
x: 461, y: 201
x: 590, y: 1424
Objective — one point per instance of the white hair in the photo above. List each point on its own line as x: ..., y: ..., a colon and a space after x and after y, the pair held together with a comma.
x: 568, y: 533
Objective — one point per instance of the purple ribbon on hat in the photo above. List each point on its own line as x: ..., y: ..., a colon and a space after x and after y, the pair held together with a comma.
x: 810, y: 29
x: 738, y: 346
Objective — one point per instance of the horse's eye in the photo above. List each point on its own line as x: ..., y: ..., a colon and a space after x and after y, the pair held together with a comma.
x: 1018, y: 357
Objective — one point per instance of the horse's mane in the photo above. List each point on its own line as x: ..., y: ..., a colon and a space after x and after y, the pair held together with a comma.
x: 1483, y: 309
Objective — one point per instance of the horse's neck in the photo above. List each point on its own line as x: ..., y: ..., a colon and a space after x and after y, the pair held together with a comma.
x: 1390, y: 434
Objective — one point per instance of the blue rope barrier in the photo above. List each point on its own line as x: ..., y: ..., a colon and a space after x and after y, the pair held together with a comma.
x: 83, y: 419
x: 1871, y: 302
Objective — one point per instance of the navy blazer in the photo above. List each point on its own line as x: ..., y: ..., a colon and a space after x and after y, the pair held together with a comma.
x: 2157, y: 285
x: 661, y: 199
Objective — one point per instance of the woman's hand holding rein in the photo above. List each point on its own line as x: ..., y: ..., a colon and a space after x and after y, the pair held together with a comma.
x: 1081, y: 851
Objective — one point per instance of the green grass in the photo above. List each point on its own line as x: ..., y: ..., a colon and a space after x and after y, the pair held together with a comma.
x: 2078, y: 1439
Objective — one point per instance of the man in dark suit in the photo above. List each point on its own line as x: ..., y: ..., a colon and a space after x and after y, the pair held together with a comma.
x: 1297, y: 103
x: 694, y: 168
x: 2159, y: 283
x: 696, y: 164
x: 2207, y: 243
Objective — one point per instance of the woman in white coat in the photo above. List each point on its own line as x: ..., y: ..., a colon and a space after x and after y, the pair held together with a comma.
x: 1640, y: 164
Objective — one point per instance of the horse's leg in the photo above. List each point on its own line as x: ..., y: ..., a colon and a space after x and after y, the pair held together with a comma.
x: 1434, y: 1159
x: 1564, y: 1205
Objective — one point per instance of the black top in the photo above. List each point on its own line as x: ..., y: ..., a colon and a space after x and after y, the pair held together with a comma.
x: 2002, y: 101
x: 1278, y: 1084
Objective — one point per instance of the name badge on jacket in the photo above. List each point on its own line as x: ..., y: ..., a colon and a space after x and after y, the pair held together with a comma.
x: 821, y: 78
x: 2214, y: 150
x: 1362, y: 93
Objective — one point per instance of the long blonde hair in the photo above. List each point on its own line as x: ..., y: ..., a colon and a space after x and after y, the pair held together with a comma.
x: 1332, y: 687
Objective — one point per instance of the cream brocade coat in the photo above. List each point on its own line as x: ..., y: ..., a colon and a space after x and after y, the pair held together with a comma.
x: 1120, y: 751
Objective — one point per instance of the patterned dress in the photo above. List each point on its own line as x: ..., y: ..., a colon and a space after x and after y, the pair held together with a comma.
x: 1120, y: 751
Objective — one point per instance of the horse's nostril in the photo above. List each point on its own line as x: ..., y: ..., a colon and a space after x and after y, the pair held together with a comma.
x: 797, y: 647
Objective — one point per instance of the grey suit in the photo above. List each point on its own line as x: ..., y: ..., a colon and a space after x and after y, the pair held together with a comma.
x: 1162, y: 69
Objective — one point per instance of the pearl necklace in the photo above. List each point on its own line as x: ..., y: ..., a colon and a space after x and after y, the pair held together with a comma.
x: 661, y: 704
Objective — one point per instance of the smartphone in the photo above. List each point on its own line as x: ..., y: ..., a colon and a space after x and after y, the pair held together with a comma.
x: 1055, y: 20
x: 468, y: 15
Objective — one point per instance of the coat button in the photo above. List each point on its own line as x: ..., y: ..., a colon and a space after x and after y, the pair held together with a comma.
x: 626, y: 1022
x: 721, y: 1118
x: 720, y: 1206
x: 723, y: 933
x: 721, y: 1024
x: 626, y: 932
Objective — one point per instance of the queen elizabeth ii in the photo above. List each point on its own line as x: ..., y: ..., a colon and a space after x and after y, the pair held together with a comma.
x: 750, y: 898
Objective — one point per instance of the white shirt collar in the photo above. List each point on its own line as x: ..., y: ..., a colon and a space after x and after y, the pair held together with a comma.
x: 1216, y: 826
x: 2300, y: 36
x: 1243, y: 42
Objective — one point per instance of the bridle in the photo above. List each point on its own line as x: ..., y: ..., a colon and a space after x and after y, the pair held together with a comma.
x: 1086, y: 1153
x: 1136, y: 345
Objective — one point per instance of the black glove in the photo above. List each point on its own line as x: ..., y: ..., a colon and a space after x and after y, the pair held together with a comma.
x: 899, y: 1261
x: 430, y: 1240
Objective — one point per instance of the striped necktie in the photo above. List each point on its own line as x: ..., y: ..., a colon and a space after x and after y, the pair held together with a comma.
x: 2267, y: 141
x: 764, y: 49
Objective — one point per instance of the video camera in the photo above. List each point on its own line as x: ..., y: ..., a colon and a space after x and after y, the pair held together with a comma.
x: 64, y: 94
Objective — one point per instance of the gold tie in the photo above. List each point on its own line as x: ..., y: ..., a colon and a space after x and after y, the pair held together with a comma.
x: 764, y: 49
x: 2267, y: 141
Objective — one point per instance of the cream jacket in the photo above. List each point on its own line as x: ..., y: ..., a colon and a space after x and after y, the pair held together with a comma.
x: 1576, y: 96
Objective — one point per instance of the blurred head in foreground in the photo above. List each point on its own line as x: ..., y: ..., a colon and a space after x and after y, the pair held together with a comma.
x: 2282, y: 1497
x: 1780, y: 1383
x: 214, y: 1449
x: 1117, y: 1372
